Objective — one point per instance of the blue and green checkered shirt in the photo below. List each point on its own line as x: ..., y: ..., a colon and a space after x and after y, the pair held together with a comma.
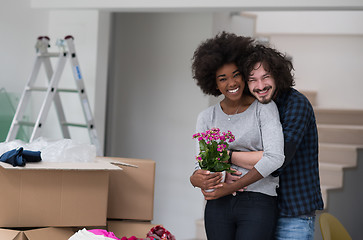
x: 299, y: 192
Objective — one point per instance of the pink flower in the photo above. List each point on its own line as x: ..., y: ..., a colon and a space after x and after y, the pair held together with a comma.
x: 213, y: 145
x: 221, y: 147
x: 196, y: 135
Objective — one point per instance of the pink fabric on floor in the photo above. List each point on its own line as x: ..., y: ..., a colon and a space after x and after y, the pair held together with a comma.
x: 103, y: 233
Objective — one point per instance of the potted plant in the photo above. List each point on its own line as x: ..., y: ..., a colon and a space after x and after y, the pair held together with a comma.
x: 213, y: 145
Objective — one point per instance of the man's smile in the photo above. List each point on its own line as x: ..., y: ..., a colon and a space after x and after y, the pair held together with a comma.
x: 264, y: 91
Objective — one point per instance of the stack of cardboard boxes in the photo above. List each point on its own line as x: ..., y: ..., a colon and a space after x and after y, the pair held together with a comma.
x: 131, y: 197
x: 52, y: 200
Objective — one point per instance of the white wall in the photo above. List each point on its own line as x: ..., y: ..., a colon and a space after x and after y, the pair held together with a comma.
x: 155, y: 104
x: 327, y: 51
x: 20, y: 27
x: 238, y: 23
x: 329, y: 65
x: 309, y: 22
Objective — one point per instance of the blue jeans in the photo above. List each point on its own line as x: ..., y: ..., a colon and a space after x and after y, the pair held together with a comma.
x: 295, y: 228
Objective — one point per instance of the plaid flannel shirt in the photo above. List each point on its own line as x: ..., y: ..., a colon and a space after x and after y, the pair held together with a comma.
x: 299, y: 192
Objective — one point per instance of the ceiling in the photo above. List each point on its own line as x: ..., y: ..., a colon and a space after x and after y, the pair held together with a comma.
x: 201, y: 5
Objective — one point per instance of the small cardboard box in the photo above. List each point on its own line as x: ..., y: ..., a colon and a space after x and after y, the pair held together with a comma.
x: 54, y: 194
x: 131, y: 191
x: 129, y: 228
x: 37, y: 234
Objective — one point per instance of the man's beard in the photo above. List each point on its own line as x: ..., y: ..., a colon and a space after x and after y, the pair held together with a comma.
x: 264, y: 100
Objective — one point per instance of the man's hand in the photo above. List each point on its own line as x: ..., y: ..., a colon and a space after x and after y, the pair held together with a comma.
x: 232, y: 177
x: 205, y: 179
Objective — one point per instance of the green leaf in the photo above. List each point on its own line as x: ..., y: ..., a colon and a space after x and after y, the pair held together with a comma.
x: 225, y: 158
x: 203, y: 145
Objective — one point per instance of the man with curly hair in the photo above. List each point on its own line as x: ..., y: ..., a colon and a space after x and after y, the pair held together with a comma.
x: 299, y: 193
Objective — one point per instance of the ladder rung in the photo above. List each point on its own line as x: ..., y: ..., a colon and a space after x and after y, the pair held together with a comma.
x: 24, y: 123
x: 40, y: 89
x: 49, y: 54
x: 43, y: 89
x: 67, y: 90
x: 75, y: 125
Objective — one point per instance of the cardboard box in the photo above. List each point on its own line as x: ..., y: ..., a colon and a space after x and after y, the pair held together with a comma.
x: 36, y: 234
x: 131, y: 191
x: 129, y: 228
x: 54, y: 194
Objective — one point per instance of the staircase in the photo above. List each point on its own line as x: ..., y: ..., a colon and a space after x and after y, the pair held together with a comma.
x: 340, y: 136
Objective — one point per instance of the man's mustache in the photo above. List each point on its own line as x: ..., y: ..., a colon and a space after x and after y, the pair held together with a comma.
x: 264, y: 89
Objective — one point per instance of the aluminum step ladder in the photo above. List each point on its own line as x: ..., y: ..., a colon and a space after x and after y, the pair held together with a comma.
x: 52, y: 92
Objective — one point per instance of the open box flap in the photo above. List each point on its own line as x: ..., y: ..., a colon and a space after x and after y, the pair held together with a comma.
x: 7, y: 234
x: 49, y: 233
x: 115, y: 161
x: 97, y: 165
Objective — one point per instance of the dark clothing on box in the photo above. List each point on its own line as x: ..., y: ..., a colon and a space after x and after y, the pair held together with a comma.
x: 19, y: 157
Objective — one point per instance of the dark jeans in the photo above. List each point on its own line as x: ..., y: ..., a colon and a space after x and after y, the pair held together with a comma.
x: 248, y: 215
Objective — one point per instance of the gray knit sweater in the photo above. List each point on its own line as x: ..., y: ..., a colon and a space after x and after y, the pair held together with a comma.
x: 258, y: 128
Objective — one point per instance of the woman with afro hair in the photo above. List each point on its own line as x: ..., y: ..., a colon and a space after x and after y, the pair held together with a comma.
x: 242, y: 213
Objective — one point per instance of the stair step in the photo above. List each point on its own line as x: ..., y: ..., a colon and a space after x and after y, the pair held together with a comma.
x: 324, y: 193
x: 341, y: 134
x: 338, y: 153
x: 331, y: 175
x: 339, y: 116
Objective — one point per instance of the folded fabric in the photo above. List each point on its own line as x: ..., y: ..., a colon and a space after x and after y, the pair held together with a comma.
x: 13, y: 157
x: 19, y: 157
x: 31, y: 156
